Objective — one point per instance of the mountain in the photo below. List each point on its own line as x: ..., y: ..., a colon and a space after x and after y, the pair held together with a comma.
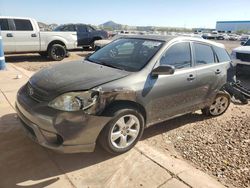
x: 111, y: 25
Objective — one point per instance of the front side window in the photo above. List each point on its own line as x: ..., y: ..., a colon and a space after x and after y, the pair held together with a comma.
x: 23, y: 25
x: 221, y: 54
x: 4, y: 25
x: 178, y: 55
x: 203, y: 54
x: 127, y: 54
x: 90, y: 29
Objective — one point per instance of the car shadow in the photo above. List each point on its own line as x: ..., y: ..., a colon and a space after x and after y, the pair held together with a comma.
x: 175, y: 123
x: 23, y: 161
x: 20, y: 58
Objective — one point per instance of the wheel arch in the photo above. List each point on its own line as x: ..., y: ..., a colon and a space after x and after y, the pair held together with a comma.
x: 56, y: 42
x: 119, y: 104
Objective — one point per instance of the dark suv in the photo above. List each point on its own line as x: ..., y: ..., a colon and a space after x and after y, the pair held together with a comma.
x: 119, y: 90
x: 86, y: 34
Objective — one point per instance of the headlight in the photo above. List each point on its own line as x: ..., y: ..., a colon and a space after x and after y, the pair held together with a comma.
x: 75, y: 101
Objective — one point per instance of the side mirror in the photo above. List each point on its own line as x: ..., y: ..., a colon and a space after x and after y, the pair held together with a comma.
x: 163, y: 70
x: 242, y: 43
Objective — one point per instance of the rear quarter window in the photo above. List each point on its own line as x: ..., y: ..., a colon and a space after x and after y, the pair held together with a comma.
x: 23, y: 25
x: 221, y: 54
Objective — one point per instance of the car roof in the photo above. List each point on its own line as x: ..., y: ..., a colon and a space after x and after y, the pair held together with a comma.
x: 15, y: 17
x: 168, y: 38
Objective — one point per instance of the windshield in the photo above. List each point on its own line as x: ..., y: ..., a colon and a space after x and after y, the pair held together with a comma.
x: 126, y: 54
x: 247, y: 43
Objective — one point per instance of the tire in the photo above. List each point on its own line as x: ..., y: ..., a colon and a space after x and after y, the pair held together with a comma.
x: 43, y: 54
x: 57, y: 52
x: 92, y: 45
x: 219, y: 106
x: 122, y: 141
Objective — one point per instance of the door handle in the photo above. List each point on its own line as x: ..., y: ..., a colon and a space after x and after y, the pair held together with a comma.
x: 191, y: 77
x: 218, y: 71
x: 9, y: 35
x: 33, y: 35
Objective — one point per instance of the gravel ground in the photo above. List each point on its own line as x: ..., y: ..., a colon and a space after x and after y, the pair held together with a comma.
x: 219, y: 146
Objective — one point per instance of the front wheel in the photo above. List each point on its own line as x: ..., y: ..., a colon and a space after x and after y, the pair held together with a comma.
x: 219, y: 106
x: 123, y: 131
x: 57, y: 52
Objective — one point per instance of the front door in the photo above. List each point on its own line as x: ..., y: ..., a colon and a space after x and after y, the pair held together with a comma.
x: 171, y: 95
x: 7, y: 35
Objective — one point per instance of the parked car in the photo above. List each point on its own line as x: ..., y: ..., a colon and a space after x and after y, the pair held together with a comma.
x: 241, y: 56
x: 244, y: 38
x: 220, y: 37
x: 233, y: 37
x: 121, y: 89
x: 86, y: 34
x: 22, y: 35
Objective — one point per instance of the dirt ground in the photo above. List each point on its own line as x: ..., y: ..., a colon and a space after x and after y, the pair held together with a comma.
x: 219, y: 146
x: 35, y: 62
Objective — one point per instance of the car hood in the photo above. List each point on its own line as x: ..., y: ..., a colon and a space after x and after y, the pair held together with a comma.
x: 242, y: 49
x: 74, y: 76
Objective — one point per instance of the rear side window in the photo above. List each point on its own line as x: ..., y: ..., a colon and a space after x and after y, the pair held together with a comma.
x: 4, y: 24
x: 23, y: 25
x: 221, y: 54
x: 178, y: 55
x: 81, y: 28
x: 68, y: 28
x: 203, y: 54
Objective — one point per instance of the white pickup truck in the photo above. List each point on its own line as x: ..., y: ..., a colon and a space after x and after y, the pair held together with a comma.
x: 22, y: 35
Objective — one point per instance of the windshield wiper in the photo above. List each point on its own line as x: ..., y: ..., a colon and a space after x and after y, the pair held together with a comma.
x: 109, y: 65
x: 104, y: 63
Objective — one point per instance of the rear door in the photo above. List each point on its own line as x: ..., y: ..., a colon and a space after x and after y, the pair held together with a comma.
x: 82, y: 35
x: 26, y: 38
x: 210, y: 73
x: 7, y: 35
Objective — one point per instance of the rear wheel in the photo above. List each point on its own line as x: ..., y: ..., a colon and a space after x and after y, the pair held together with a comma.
x: 219, y: 106
x: 123, y: 131
x: 57, y: 52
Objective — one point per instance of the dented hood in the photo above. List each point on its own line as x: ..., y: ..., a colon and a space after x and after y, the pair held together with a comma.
x: 74, y: 76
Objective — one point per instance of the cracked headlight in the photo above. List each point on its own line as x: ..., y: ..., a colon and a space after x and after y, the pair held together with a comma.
x: 75, y: 101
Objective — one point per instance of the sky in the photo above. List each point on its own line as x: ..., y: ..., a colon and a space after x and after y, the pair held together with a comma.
x: 166, y: 13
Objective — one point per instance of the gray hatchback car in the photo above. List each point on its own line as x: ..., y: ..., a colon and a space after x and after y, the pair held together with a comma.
x: 123, y: 88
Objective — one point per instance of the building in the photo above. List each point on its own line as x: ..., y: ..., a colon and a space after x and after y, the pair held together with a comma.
x: 232, y: 26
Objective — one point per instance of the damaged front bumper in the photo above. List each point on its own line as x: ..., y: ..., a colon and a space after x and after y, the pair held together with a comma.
x: 67, y: 132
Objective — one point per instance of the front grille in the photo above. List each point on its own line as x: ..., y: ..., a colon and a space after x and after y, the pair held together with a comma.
x: 243, y: 56
x: 36, y: 94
